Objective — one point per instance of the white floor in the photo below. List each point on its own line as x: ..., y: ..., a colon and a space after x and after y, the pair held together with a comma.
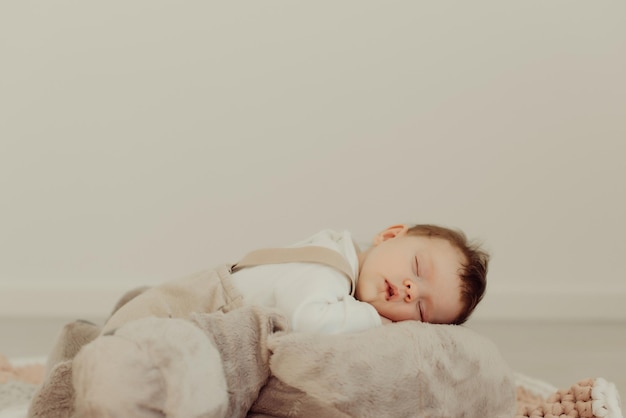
x: 560, y: 353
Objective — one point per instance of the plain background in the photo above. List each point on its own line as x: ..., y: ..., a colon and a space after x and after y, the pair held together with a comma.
x: 144, y: 140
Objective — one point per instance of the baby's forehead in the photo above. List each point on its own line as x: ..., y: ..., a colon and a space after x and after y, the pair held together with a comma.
x: 443, y: 245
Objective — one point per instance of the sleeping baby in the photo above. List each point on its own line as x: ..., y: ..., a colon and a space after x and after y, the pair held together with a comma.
x: 325, y: 284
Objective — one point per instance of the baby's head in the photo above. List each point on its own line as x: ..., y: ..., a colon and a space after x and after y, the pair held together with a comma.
x: 424, y: 272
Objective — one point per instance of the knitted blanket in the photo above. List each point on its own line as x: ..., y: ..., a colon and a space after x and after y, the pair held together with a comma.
x: 588, y: 398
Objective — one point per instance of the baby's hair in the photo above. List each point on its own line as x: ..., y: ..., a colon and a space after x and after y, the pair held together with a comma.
x: 473, y: 272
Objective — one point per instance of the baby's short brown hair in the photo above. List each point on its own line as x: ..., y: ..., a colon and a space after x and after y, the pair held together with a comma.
x: 473, y: 272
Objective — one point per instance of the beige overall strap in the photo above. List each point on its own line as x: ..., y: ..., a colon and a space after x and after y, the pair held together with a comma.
x: 308, y: 254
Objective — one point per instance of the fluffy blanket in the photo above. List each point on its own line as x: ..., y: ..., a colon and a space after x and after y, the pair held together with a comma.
x: 243, y: 362
x: 399, y: 370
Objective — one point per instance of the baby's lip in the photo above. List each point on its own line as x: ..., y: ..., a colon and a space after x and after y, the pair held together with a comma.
x: 391, y: 290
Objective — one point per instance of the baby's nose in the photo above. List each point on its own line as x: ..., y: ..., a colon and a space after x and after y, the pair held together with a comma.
x: 410, y: 290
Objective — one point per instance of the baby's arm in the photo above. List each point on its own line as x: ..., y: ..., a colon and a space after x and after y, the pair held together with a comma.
x: 334, y: 317
x: 323, y: 305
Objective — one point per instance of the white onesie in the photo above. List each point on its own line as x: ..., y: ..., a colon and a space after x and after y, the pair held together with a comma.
x: 315, y: 297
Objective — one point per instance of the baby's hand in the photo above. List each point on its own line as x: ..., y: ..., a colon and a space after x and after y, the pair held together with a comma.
x: 385, y: 320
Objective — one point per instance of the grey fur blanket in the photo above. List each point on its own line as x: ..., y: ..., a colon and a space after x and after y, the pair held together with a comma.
x: 255, y: 367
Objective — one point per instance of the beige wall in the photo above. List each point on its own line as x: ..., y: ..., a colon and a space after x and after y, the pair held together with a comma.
x: 143, y: 140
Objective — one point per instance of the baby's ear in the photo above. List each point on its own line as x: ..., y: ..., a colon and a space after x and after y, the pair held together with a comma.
x: 391, y: 232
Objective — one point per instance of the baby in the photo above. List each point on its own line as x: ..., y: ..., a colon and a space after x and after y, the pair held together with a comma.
x: 160, y: 367
x: 325, y: 284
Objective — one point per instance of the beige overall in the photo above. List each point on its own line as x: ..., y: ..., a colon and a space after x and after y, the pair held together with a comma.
x: 213, y: 290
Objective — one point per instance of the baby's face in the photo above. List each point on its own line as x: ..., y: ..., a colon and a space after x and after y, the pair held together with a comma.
x: 411, y: 278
